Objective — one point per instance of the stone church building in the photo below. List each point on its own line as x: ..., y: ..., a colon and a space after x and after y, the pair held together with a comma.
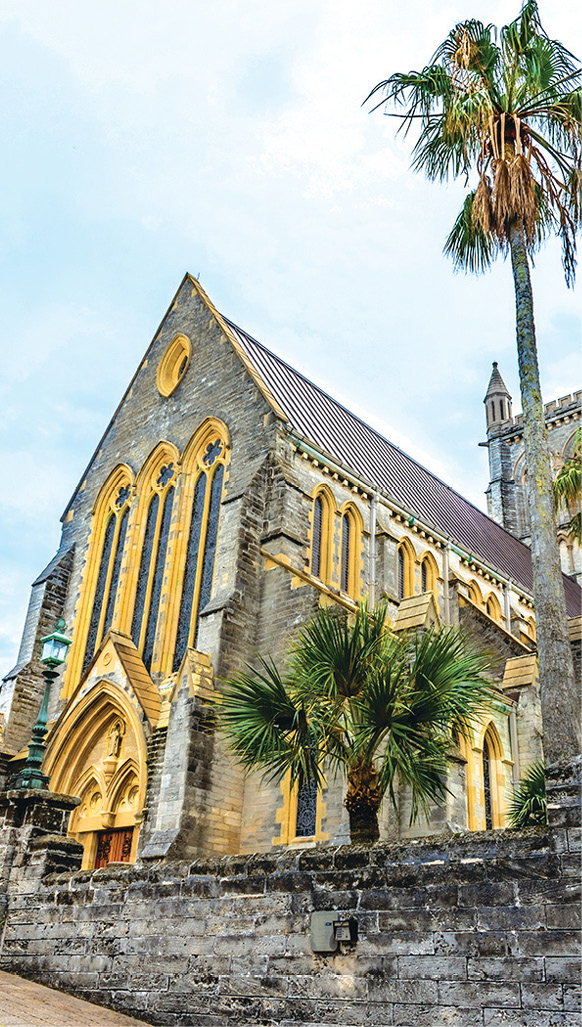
x: 228, y: 498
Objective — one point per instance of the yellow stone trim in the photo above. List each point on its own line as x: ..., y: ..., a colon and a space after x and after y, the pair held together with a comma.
x: 164, y: 453
x: 328, y: 518
x: 282, y: 560
x: 121, y: 476
x: 432, y: 572
x: 356, y: 551
x: 171, y: 368
x: 287, y: 816
x: 409, y: 553
x: 230, y: 336
x: 209, y: 431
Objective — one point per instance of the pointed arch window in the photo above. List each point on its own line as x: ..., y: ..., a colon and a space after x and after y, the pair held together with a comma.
x: 157, y: 577
x: 488, y: 809
x: 200, y: 559
x: 107, y: 582
x: 493, y: 608
x: 316, y: 543
x: 346, y: 554
x: 405, y: 568
x: 306, y: 812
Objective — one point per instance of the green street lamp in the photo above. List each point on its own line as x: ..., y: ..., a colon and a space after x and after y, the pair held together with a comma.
x: 53, y: 654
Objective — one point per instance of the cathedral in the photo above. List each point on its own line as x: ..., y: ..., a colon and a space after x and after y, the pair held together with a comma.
x: 227, y: 499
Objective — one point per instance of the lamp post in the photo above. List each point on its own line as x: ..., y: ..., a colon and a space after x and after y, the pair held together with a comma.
x: 54, y: 653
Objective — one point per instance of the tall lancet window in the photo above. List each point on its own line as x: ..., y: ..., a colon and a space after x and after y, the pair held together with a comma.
x: 200, y: 558
x: 116, y: 519
x: 157, y: 579
x: 317, y: 536
x: 401, y: 574
x: 346, y: 553
x: 152, y: 564
x: 487, y: 787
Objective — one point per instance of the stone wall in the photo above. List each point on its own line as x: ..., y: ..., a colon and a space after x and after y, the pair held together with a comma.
x: 479, y: 929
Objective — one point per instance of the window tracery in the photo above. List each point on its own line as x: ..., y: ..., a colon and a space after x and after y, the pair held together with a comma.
x: 108, y: 544
x: 405, y: 569
x: 322, y: 526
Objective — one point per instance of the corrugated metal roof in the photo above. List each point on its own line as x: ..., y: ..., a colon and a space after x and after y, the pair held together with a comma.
x: 319, y: 419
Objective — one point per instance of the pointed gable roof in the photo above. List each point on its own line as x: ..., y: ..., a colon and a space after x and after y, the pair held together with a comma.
x: 496, y: 385
x: 319, y: 419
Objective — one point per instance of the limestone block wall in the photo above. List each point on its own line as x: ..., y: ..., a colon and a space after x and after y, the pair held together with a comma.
x: 477, y: 930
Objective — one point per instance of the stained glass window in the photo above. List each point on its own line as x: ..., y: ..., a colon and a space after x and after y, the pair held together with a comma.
x: 401, y: 573
x: 213, y: 451
x: 487, y: 787
x: 190, y: 572
x: 158, y: 577
x: 166, y: 474
x: 115, y: 573
x: 423, y: 576
x: 306, y: 822
x: 345, y: 571
x: 317, y: 529
x: 210, y: 543
x: 144, y: 568
x: 99, y: 591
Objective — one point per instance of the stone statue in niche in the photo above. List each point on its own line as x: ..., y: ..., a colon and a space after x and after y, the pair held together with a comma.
x: 114, y: 740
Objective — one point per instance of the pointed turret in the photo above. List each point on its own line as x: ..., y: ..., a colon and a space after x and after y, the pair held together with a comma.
x: 501, y: 499
x: 497, y: 401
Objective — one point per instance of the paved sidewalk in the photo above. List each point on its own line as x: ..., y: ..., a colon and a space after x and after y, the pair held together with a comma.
x: 26, y: 1004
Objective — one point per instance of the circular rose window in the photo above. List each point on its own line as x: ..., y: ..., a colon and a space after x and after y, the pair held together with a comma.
x: 173, y: 365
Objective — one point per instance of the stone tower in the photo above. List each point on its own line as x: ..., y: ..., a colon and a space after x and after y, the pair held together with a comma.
x: 501, y: 493
x: 507, y: 492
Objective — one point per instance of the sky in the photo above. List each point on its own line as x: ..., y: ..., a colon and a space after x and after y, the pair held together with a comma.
x: 227, y: 139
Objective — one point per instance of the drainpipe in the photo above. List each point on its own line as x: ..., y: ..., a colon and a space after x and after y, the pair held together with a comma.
x: 372, y: 553
x: 507, y: 603
x: 446, y: 596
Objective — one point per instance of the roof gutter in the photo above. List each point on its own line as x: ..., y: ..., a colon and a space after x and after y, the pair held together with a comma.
x: 334, y: 465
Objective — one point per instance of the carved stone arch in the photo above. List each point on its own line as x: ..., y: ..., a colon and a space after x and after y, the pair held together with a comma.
x: 406, y: 557
x: 89, y: 784
x: 490, y: 744
x: 207, y: 433
x: 163, y: 454
x: 112, y: 499
x: 493, y: 607
x: 78, y: 751
x: 127, y: 774
x: 322, y: 527
x: 427, y: 560
x: 351, y: 575
x: 475, y: 593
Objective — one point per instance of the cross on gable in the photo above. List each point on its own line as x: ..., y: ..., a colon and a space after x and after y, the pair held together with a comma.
x: 166, y: 474
x: 213, y: 451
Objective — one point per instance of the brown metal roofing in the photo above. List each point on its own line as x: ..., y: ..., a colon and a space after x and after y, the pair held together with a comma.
x: 319, y: 419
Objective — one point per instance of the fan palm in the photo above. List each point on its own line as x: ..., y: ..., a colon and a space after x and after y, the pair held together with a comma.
x: 357, y: 698
x: 528, y: 805
x: 507, y: 113
x: 568, y: 489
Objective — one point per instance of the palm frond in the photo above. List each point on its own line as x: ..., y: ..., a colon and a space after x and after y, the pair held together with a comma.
x: 528, y: 805
x: 470, y: 246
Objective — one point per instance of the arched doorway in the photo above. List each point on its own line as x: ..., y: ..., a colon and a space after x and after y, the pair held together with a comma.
x: 98, y: 752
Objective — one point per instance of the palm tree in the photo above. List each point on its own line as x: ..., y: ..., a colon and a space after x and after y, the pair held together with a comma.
x: 357, y: 698
x: 529, y: 805
x: 507, y: 114
x: 568, y: 489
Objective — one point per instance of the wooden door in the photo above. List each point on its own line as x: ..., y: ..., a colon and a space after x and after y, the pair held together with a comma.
x: 114, y: 846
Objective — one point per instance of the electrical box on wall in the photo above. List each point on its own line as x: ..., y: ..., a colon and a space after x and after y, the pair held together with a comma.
x: 329, y: 927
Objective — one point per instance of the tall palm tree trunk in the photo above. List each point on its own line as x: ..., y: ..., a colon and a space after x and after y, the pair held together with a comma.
x: 559, y: 692
x: 363, y: 799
